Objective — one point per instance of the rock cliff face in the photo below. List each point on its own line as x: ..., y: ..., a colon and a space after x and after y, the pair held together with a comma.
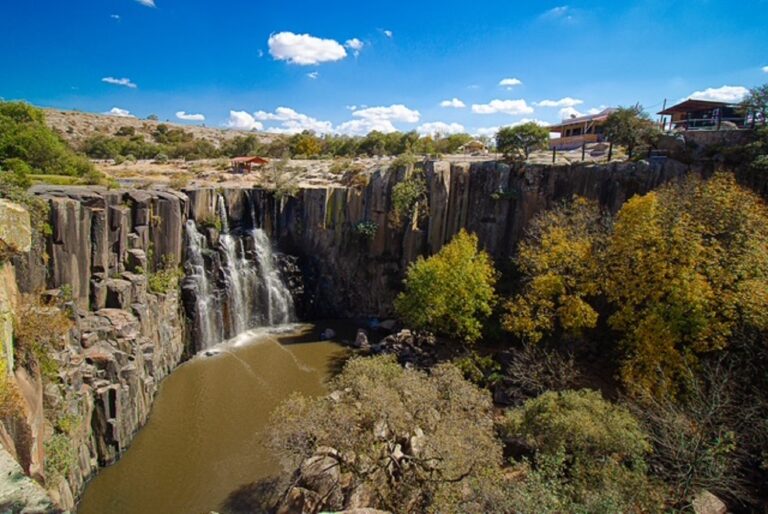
x: 105, y: 246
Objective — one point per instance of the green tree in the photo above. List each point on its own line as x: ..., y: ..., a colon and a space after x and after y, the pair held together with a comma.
x: 519, y: 141
x: 25, y: 136
x: 631, y: 127
x: 451, y: 292
x: 756, y: 103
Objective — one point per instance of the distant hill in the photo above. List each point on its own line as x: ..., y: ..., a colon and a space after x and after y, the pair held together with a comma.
x: 75, y: 127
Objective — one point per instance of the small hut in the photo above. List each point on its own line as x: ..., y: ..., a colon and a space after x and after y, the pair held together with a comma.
x: 474, y: 147
x: 246, y: 164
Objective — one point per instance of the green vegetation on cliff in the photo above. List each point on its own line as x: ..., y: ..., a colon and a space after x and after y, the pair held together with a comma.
x: 452, y: 292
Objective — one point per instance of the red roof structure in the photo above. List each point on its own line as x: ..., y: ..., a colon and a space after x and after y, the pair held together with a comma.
x: 246, y: 164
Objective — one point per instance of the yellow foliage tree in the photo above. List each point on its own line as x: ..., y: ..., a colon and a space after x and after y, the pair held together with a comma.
x: 558, y: 261
x: 451, y: 292
x: 683, y: 268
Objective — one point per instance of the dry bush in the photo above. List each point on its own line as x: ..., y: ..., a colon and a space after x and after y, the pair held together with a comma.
x: 39, y: 329
x: 700, y: 441
x: 533, y: 370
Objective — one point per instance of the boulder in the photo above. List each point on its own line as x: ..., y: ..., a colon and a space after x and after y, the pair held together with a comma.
x: 707, y: 503
x: 15, y: 228
x: 361, y: 340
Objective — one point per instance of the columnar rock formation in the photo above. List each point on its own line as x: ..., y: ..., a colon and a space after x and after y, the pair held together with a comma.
x: 105, y: 245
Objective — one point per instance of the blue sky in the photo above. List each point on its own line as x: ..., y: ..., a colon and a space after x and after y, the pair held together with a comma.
x: 354, y: 66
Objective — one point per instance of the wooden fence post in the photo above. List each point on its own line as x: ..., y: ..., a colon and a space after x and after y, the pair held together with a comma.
x: 583, y: 150
x: 610, y: 150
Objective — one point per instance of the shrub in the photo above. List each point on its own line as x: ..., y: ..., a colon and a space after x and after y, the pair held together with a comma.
x: 451, y: 292
x: 166, y: 278
x: 179, y: 181
x: 60, y: 456
x: 588, y: 454
x: 366, y: 229
x: 405, y: 197
x: 417, y: 442
x: 40, y: 330
x: 701, y: 441
x: 534, y: 370
x: 482, y: 370
x: 161, y: 158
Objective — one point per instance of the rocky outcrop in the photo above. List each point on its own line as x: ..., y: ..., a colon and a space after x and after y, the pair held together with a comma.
x: 124, y: 340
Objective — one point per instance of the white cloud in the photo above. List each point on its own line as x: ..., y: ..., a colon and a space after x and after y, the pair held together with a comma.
x: 303, y: 49
x: 292, y: 122
x: 557, y: 12
x: 491, y: 131
x: 569, y: 112
x: 114, y: 16
x: 377, y: 118
x: 511, y: 107
x: 395, y: 112
x: 439, y: 127
x: 486, y: 131
x: 362, y: 127
x: 260, y: 53
x: 765, y: 69
x: 454, y: 103
x: 241, y: 120
x: 122, y: 113
x: 509, y: 83
x: 563, y: 102
x: 182, y: 115
x: 119, y: 82
x: 722, y: 94
x: 148, y: 3
x: 388, y: 33
x: 355, y: 45
x: 596, y: 110
x: 313, y: 75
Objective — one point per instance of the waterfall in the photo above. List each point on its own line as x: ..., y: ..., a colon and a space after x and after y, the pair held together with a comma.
x: 205, y: 309
x: 243, y: 288
x: 276, y: 296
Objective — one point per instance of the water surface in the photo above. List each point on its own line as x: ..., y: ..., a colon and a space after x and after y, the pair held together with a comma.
x: 204, y: 437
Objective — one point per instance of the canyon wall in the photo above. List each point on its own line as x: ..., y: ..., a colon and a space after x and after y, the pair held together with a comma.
x: 106, y: 248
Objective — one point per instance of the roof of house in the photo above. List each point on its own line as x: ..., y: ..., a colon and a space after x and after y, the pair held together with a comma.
x: 693, y: 105
x: 250, y: 159
x: 581, y: 120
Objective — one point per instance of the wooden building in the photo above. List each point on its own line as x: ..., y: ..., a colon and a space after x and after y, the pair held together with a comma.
x: 246, y: 164
x: 577, y: 131
x: 694, y: 114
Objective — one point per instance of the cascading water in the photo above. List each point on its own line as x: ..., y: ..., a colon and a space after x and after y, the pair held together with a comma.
x: 252, y: 292
x: 206, y: 314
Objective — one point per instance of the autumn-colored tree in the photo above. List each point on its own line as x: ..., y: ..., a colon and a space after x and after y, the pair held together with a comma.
x: 685, y: 267
x: 306, y: 144
x: 559, y: 261
x: 451, y: 292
